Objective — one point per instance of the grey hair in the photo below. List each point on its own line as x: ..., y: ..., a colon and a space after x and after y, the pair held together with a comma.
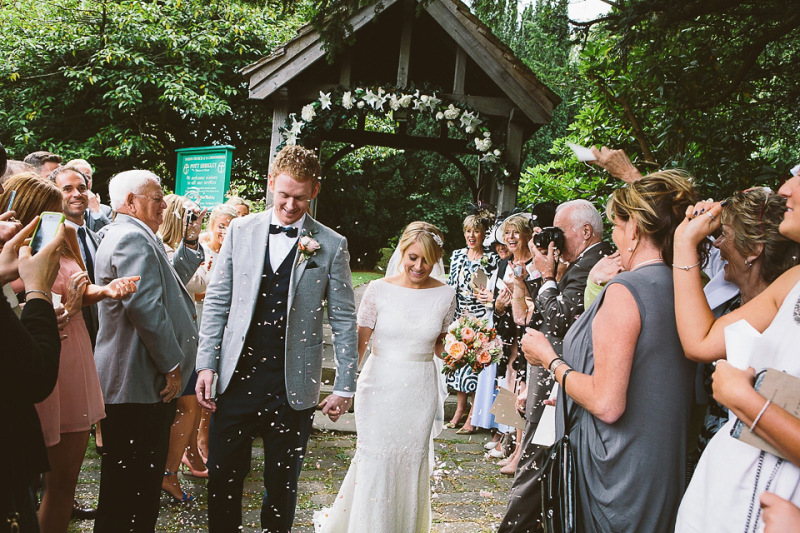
x: 129, y: 181
x: 583, y: 212
x: 80, y: 163
x: 223, y: 210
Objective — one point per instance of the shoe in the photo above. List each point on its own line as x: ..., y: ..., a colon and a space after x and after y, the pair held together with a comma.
x: 185, y: 498
x: 509, y: 469
x: 451, y: 424
x: 491, y: 445
x: 465, y: 431
x: 83, y: 513
x: 495, y: 453
x: 191, y: 471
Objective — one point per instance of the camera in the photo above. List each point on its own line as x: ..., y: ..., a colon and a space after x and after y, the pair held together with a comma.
x: 547, y: 235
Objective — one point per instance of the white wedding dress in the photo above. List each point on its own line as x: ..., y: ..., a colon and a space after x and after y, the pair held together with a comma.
x: 398, y: 398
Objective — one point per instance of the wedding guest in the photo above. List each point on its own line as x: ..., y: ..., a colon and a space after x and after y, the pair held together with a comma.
x: 241, y: 205
x: 43, y: 162
x: 76, y: 402
x: 145, y: 350
x: 465, y: 263
x: 96, y: 215
x: 30, y: 371
x: 731, y: 475
x: 183, y: 432
x: 630, y: 389
x: 387, y: 487
x: 755, y: 254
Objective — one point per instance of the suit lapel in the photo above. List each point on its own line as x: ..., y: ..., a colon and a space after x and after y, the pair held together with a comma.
x: 309, y: 228
x: 255, y: 254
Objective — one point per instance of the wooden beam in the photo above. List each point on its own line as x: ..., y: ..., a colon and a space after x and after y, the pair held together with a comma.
x: 280, y: 113
x: 345, y: 69
x: 460, y: 71
x: 407, y: 142
x: 492, y: 59
x: 297, y: 55
x: 485, y: 105
x: 515, y: 137
x: 405, y: 43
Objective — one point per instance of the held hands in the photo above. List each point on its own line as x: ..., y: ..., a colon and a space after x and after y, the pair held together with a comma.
x: 94, y: 202
x: 537, y: 349
x: 504, y: 297
x: 173, y: 387
x: 205, y: 396
x: 484, y: 296
x: 729, y: 383
x: 335, y: 406
x: 121, y: 287
x: 605, y: 269
x: 193, y: 227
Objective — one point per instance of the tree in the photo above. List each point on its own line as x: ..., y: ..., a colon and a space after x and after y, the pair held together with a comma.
x: 125, y: 83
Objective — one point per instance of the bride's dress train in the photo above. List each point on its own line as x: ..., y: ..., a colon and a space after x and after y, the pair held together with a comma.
x: 398, y: 398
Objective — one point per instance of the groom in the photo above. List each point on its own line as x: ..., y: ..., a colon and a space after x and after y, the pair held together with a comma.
x: 261, y: 336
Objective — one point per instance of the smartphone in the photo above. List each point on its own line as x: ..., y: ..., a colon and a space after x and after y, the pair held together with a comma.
x: 45, y: 230
x: 479, y: 280
x: 581, y: 152
x: 11, y: 196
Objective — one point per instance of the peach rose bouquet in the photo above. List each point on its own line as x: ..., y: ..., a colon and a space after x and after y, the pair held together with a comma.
x: 469, y: 341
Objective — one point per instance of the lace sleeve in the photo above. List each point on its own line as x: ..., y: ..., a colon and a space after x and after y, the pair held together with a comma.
x: 450, y: 315
x: 367, y: 310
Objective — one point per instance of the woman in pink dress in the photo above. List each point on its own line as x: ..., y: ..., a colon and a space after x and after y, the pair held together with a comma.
x: 77, y: 400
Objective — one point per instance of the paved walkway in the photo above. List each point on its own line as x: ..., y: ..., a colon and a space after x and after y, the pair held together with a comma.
x: 468, y: 492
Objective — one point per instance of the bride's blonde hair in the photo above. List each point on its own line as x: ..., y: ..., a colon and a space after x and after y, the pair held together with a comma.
x: 429, y: 237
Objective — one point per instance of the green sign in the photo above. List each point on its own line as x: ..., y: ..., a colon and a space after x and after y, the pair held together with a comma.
x: 204, y: 174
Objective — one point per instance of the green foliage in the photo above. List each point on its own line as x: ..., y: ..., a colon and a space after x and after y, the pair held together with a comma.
x: 125, y: 83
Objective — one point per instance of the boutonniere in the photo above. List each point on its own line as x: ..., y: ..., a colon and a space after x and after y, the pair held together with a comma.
x: 307, y: 246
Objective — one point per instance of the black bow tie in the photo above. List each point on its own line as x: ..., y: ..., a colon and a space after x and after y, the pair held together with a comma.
x: 288, y: 230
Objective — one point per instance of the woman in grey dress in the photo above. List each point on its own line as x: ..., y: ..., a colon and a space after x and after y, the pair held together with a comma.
x: 629, y: 388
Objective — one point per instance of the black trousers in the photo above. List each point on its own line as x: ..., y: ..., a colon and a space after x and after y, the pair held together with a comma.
x: 250, y: 407
x: 524, y: 511
x: 135, y: 442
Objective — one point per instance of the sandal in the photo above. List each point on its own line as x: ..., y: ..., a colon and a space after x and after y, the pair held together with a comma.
x: 191, y: 471
x: 185, y: 498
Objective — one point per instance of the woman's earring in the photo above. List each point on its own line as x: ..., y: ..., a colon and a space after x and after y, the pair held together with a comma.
x: 630, y: 249
x: 747, y: 263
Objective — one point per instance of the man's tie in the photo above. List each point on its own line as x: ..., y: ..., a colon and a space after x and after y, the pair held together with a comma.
x: 87, y: 254
x: 288, y: 230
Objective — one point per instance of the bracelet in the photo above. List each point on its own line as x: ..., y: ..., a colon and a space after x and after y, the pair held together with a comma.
x: 46, y: 295
x: 761, y: 412
x: 687, y: 268
x: 550, y: 367
x: 520, y: 299
x: 554, y: 366
x: 564, y: 380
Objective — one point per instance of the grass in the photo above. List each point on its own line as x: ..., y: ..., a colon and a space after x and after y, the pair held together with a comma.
x: 360, y: 278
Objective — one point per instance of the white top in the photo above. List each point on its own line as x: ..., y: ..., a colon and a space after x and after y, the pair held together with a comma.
x: 721, y: 489
x: 279, y: 243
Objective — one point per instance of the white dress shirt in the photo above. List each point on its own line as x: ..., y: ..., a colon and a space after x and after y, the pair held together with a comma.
x: 89, y: 241
x: 281, y: 244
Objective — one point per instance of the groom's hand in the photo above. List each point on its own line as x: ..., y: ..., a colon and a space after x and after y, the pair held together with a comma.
x: 334, y: 406
x: 205, y: 396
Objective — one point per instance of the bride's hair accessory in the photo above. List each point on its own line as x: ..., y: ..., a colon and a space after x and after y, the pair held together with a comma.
x: 438, y: 240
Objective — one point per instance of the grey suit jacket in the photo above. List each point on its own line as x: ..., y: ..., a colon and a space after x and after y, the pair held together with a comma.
x: 231, y: 299
x: 147, y: 334
x: 95, y: 224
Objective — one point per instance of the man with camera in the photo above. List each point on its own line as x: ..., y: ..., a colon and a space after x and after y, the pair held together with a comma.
x: 575, y: 240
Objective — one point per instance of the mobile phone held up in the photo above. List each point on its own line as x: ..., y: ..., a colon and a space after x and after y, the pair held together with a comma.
x: 11, y: 196
x: 45, y: 230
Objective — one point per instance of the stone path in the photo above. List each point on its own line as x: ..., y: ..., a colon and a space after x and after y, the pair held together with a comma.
x: 468, y: 492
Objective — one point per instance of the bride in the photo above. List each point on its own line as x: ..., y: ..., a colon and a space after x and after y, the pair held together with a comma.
x: 387, y: 487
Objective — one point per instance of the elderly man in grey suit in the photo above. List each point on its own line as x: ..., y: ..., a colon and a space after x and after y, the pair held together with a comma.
x: 262, y: 336
x: 145, y: 351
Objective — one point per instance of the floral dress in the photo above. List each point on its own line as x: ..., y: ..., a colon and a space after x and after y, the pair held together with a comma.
x: 461, y: 271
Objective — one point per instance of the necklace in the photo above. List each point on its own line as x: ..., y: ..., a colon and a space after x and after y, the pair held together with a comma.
x: 648, y: 262
x: 474, y: 255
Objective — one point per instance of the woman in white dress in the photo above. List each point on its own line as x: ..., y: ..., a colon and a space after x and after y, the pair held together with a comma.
x: 732, y: 476
x: 387, y: 487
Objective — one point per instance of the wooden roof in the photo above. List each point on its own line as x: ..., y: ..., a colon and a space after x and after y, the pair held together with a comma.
x: 445, y: 46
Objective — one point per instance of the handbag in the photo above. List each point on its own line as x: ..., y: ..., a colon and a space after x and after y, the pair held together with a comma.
x: 558, y: 484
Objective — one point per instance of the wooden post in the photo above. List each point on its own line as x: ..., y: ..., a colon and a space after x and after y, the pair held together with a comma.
x: 405, y: 43
x: 280, y: 113
x: 460, y: 71
x: 515, y: 136
x: 345, y: 69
